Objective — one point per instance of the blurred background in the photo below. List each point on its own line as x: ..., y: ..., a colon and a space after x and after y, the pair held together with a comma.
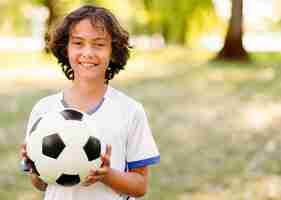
x: 208, y: 74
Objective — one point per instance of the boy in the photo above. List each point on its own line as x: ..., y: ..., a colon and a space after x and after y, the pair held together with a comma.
x: 92, y: 47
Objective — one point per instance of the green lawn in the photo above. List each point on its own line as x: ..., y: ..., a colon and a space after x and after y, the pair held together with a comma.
x: 216, y: 124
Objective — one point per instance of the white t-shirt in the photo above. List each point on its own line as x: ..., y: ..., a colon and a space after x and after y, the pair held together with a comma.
x: 125, y: 124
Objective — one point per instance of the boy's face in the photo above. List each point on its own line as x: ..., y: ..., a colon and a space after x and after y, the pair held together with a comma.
x: 89, y: 51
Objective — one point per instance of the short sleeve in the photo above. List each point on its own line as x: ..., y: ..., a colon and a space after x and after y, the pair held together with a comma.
x: 141, y: 147
x: 33, y: 118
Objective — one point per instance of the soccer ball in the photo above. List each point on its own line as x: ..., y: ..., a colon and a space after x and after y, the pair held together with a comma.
x: 63, y: 148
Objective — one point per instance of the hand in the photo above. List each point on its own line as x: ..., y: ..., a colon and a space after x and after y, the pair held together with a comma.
x: 25, y: 163
x: 23, y: 153
x: 99, y: 174
x: 36, y: 181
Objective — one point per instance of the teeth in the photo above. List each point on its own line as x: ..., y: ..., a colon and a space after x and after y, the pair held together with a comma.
x: 87, y: 64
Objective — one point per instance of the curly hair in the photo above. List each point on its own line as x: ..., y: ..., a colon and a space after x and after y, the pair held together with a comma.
x: 57, y: 41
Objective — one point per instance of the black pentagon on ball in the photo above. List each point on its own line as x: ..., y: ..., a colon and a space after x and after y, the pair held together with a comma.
x: 52, y: 146
x: 34, y: 126
x: 92, y: 148
x: 70, y: 114
x: 68, y: 180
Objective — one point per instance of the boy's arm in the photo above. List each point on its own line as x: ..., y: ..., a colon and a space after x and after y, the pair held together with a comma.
x: 35, y: 180
x: 133, y: 183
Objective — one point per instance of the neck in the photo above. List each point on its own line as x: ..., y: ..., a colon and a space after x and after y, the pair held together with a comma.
x: 89, y: 90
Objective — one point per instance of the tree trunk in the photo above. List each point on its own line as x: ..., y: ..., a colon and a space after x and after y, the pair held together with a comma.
x: 233, y: 46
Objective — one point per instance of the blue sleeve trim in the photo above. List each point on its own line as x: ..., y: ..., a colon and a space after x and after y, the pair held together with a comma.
x: 145, y: 162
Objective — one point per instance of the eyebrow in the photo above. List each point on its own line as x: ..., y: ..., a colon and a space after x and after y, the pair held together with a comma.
x: 81, y: 38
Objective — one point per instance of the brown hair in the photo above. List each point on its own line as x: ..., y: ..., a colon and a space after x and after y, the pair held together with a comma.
x: 58, y: 40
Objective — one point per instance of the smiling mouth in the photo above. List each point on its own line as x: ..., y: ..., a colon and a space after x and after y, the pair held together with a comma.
x: 88, y: 65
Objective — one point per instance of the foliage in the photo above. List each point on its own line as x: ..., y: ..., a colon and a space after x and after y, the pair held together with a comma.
x: 11, y: 16
x: 16, y: 17
x: 175, y: 19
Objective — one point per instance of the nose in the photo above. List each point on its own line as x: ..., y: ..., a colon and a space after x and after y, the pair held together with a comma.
x: 87, y: 53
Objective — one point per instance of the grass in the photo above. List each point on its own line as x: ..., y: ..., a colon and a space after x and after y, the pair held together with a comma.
x: 216, y: 125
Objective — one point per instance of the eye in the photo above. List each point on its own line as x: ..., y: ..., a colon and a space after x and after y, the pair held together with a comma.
x: 76, y: 43
x: 99, y: 44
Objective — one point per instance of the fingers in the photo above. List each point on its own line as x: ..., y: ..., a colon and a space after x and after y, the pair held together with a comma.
x: 106, y: 157
x: 108, y: 150
x: 95, y: 176
x: 23, y: 152
x: 92, y: 179
x: 23, y: 146
x: 86, y: 183
x: 25, y: 163
x: 100, y: 173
